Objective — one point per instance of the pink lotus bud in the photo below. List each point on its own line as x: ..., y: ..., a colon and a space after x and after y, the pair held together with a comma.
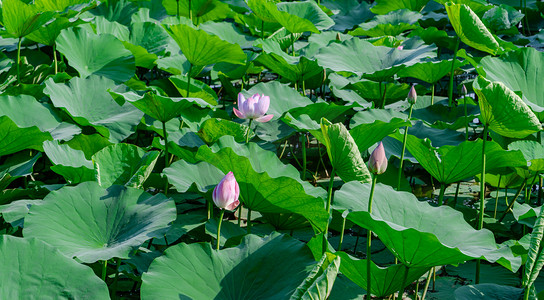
x: 378, y: 162
x: 225, y: 194
x: 254, y: 107
x: 412, y: 95
x: 400, y: 47
x: 464, y: 90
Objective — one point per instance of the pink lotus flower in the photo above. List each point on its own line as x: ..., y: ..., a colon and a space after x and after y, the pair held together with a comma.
x: 254, y: 108
x: 225, y: 194
x: 378, y: 162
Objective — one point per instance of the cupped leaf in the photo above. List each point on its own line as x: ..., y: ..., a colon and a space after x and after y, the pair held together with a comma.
x: 199, y: 10
x: 31, y: 267
x: 519, y: 71
x: 182, y: 175
x: 470, y: 28
x: 93, y: 223
x: 14, y: 138
x: 147, y: 41
x: 196, y: 89
x: 259, y: 268
x: 69, y: 163
x: 535, y: 257
x: 318, y: 285
x: 213, y: 129
x: 503, y: 110
x: 431, y: 71
x: 48, y: 34
x: 372, y: 126
x: 89, y: 104
x: 343, y: 152
x: 20, y: 18
x: 418, y: 234
x: 533, y: 152
x: 298, y: 17
x: 90, y: 53
x: 385, y: 280
x: 309, y: 117
x: 386, y: 6
x: 202, y: 49
x: 266, y: 184
x: 390, y: 24
x: 123, y: 164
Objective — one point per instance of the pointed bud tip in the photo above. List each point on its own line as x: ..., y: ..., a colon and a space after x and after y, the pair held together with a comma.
x: 378, y: 161
x: 464, y: 90
x: 412, y: 95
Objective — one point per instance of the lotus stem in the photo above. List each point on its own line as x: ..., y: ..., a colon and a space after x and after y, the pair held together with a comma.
x: 190, y: 11
x: 427, y: 284
x: 209, y: 209
x: 526, y: 292
x: 221, y: 213
x: 292, y: 44
x: 177, y: 9
x: 262, y: 29
x: 303, y: 157
x: 240, y: 214
x: 441, y: 196
x: 497, y: 197
x: 457, y: 191
x: 342, y: 234
x: 329, y: 200
x: 55, y: 59
x: 482, y: 200
x: 19, y: 59
x: 450, y: 90
x: 466, y: 119
x: 405, y: 278
x: 513, y: 201
x: 116, y: 280
x: 383, y: 96
x: 248, y: 130
x: 369, y: 241
x: 104, y: 269
x: 404, y: 147
x: 432, y: 94
x: 166, y: 162
x: 190, y: 69
x: 357, y: 240
x: 539, y: 190
x: 248, y: 220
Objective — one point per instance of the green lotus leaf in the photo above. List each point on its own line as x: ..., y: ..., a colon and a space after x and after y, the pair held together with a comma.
x: 21, y: 19
x: 105, y: 26
x: 69, y: 163
x: 372, y: 126
x: 15, y: 212
x: 450, y: 164
x: 418, y: 234
x: 213, y: 129
x: 309, y: 117
x: 441, y: 116
x: 48, y: 34
x: 502, y: 18
x: 432, y: 35
x: 487, y: 291
x: 470, y: 29
x: 518, y: 70
x: 228, y: 32
x: 431, y: 71
x: 31, y: 267
x: 89, y: 144
x: 59, y: 5
x: 391, y: 24
x: 147, y: 40
x: 260, y: 8
x: 89, y: 104
x: 92, y: 223
x: 197, y: 89
x: 503, y: 110
x: 198, y: 272
x: 203, y: 175
x: 385, y: 6
x: 14, y: 138
x: 385, y: 280
x: 343, y: 153
x: 348, y: 13
x: 201, y: 10
x: 266, y: 184
x: 299, y: 17
x: 202, y: 49
x: 373, y: 91
x: 379, y: 62
x: 123, y: 164
x: 318, y: 285
x: 533, y: 152
x: 16, y: 166
x: 90, y: 53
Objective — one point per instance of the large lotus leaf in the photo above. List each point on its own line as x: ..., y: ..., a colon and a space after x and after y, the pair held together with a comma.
x: 124, y: 164
x: 228, y: 32
x: 89, y: 104
x: 282, y: 97
x: 374, y: 91
x: 441, y: 115
x: 502, y: 18
x: 309, y: 117
x: 298, y: 17
x: 20, y: 18
x: 213, y: 129
x: 432, y: 35
x: 343, y: 153
x: 503, y: 110
x: 449, y: 164
x: 391, y: 24
x: 90, y: 53
x: 48, y: 34
x: 202, y: 49
x: 69, y: 162
x: 266, y: 184
x: 519, y: 71
x: 59, y: 5
x: 259, y: 268
x: 147, y: 40
x: 384, y: 281
x: 32, y: 268
x: 533, y: 152
x: 201, y: 10
x: 348, y: 13
x: 470, y: 29
x: 16, y: 166
x: 197, y: 88
x: 182, y: 175
x: 89, y: 144
x: 488, y: 291
x: 92, y: 223
x: 379, y: 62
x: 158, y: 107
x: 418, y: 234
x: 318, y: 285
x: 431, y: 71
x: 14, y: 138
x: 105, y: 26
x: 260, y: 8
x: 372, y: 126
x: 385, y: 6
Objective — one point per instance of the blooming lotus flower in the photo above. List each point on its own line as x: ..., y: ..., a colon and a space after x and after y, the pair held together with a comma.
x: 225, y: 194
x: 254, y: 108
x: 378, y: 161
x: 412, y: 95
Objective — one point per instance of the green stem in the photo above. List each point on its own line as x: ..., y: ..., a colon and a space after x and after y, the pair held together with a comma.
x: 380, y: 89
x: 404, y: 147
x: 497, y: 198
x: 189, y: 74
x: 248, y: 221
x: 221, y: 213
x: 190, y: 11
x: 104, y: 270
x: 441, y: 196
x: 357, y: 240
x: 482, y: 200
x: 262, y: 29
x: 248, y: 130
x: 19, y: 59
x: 303, y: 157
x: 427, y: 284
x: 383, y: 96
x: 369, y: 241
x: 240, y: 215
x: 329, y: 200
x: 457, y: 192
x: 513, y: 201
x: 466, y: 119
x: 342, y: 234
x: 116, y: 280
x: 55, y: 59
x: 432, y: 94
x: 166, y: 162
x: 209, y: 209
x: 401, y: 291
x: 539, y: 190
x: 292, y: 44
x: 450, y: 90
x: 177, y: 9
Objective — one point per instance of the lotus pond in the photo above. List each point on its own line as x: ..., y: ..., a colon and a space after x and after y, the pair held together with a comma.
x: 259, y: 149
